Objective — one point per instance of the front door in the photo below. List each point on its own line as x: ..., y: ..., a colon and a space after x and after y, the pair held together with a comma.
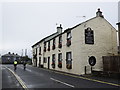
x: 48, y: 62
x: 36, y: 62
x: 39, y: 61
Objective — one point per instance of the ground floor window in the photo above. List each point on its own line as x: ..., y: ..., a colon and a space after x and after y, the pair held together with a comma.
x: 53, y: 61
x: 45, y: 60
x: 69, y: 60
x: 60, y: 60
x: 39, y: 61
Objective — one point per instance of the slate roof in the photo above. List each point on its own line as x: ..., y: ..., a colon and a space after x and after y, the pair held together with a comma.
x: 68, y: 30
x: 14, y: 55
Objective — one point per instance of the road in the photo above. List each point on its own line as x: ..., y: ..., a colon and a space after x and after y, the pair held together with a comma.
x: 34, y: 77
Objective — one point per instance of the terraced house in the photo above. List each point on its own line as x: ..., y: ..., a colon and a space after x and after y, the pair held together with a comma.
x: 77, y: 49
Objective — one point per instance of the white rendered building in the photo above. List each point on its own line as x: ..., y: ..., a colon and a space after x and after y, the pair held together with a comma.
x: 77, y: 49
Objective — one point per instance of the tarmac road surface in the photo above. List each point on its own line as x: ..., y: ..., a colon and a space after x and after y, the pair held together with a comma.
x: 34, y: 77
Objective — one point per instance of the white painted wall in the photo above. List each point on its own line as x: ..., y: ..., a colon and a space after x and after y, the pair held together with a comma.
x: 105, y: 43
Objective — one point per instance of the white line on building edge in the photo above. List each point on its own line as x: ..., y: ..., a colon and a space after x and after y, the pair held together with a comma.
x: 62, y: 82
x: 19, y: 79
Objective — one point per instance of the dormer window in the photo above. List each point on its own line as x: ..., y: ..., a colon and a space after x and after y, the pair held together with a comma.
x: 53, y: 47
x: 60, y: 42
x: 48, y: 45
x: 89, y: 36
x: 69, y: 38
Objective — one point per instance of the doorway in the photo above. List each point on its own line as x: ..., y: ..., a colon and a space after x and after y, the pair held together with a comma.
x: 39, y: 61
x: 48, y: 62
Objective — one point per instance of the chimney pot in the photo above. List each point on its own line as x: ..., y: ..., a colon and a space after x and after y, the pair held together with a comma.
x: 59, y: 29
x: 99, y: 13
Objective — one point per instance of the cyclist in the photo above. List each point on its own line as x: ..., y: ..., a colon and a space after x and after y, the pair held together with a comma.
x: 15, y: 65
x: 24, y: 64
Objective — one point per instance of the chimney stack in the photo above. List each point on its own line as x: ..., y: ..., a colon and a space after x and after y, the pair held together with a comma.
x: 59, y: 29
x: 99, y: 13
x: 118, y: 36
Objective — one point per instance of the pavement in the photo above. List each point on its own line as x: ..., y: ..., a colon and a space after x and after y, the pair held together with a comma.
x: 34, y: 77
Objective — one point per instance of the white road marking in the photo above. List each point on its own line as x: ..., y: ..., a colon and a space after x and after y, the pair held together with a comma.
x: 19, y: 79
x: 62, y: 82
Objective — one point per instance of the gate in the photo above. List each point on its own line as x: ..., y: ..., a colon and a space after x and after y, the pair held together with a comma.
x: 111, y: 64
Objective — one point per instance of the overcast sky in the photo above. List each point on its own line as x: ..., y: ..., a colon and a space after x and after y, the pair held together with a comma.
x: 22, y: 24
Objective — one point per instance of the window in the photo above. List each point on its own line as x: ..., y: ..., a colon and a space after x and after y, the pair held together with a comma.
x: 34, y: 54
x: 39, y: 61
x: 60, y: 60
x: 36, y: 51
x: 44, y: 46
x: 53, y: 47
x: 45, y: 60
x: 60, y: 42
x: 69, y: 39
x: 39, y: 50
x: 53, y: 61
x: 69, y: 60
x: 33, y: 51
x: 92, y: 60
x: 89, y: 36
x: 48, y: 45
x: 69, y: 35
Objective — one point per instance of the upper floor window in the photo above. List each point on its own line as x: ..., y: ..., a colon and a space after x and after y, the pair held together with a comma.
x: 44, y: 46
x: 39, y: 50
x: 36, y: 51
x: 33, y: 51
x: 89, y: 36
x: 53, y: 61
x: 53, y: 47
x: 69, y: 38
x: 69, y: 60
x: 60, y: 60
x: 48, y: 45
x: 60, y: 42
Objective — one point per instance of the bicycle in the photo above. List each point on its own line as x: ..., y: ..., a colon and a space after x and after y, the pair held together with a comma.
x: 15, y: 67
x: 24, y: 67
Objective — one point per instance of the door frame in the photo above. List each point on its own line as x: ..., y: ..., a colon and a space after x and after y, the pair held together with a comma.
x: 48, y: 62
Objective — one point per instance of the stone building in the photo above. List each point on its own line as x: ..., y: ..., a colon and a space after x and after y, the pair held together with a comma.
x: 77, y: 49
x: 10, y: 57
